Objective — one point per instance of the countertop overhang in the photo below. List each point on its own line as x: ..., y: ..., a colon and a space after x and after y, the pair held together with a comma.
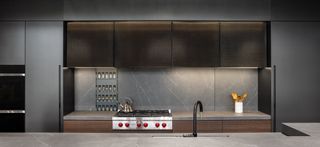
x: 172, y: 139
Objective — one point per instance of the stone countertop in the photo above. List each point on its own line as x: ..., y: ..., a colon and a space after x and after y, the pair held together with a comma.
x: 157, y: 140
x: 89, y: 115
x: 218, y: 115
x: 207, y: 115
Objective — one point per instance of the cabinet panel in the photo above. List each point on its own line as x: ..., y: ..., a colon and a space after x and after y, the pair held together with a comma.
x: 185, y: 126
x: 90, y: 44
x: 44, y: 54
x: 247, y: 126
x: 195, y: 44
x: 167, y: 9
x: 12, y: 43
x: 295, y: 53
x: 243, y: 44
x: 88, y: 126
x: 31, y: 9
x: 143, y: 43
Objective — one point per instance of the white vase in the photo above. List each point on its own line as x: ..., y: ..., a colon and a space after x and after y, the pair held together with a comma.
x: 238, y: 107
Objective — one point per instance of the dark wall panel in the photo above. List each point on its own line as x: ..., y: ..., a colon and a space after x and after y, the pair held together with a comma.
x: 31, y: 9
x: 295, y: 10
x: 264, y: 90
x: 295, y: 53
x: 167, y: 9
x: 68, y: 91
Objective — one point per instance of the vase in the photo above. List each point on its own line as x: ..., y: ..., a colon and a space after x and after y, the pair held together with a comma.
x: 238, y: 107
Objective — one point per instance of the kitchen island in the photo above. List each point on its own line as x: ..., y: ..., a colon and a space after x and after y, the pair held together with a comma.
x: 170, y: 139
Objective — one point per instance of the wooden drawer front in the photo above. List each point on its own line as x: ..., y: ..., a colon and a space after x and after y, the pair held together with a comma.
x: 247, y: 126
x: 185, y: 126
x: 88, y: 126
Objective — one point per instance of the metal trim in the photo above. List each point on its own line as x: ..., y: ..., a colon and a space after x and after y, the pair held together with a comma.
x: 12, y: 111
x: 12, y: 74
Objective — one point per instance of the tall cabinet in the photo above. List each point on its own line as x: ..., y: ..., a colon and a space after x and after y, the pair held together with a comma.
x: 12, y: 41
x: 44, y: 58
x: 295, y: 56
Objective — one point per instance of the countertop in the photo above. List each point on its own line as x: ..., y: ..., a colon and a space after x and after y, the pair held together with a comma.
x: 207, y: 115
x: 172, y: 140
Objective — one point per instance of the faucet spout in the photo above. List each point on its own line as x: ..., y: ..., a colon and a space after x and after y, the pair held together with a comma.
x: 195, y: 109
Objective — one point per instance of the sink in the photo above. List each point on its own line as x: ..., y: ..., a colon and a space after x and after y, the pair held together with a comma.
x: 189, y: 135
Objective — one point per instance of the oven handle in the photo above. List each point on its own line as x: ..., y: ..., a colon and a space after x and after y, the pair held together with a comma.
x: 12, y: 74
x: 12, y: 111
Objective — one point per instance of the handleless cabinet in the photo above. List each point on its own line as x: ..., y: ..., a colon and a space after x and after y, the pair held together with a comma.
x: 44, y: 57
x: 12, y: 43
x: 243, y: 44
x: 143, y: 43
x: 90, y: 44
x: 195, y: 44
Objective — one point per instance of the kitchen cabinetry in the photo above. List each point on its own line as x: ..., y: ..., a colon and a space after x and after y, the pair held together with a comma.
x: 89, y: 126
x: 246, y: 126
x: 295, y: 55
x: 243, y: 44
x: 195, y: 44
x: 44, y: 56
x: 12, y: 43
x: 143, y: 43
x: 185, y: 126
x: 90, y: 44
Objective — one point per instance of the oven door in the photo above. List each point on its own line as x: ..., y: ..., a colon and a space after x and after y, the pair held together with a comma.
x: 12, y: 121
x: 12, y: 91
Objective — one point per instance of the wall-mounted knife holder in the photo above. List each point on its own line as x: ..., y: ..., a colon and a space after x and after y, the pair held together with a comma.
x: 106, y: 89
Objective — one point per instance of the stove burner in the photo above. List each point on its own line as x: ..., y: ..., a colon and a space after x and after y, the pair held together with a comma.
x: 144, y: 113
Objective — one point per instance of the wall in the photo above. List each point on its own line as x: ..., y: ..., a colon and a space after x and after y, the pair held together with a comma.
x: 175, y: 89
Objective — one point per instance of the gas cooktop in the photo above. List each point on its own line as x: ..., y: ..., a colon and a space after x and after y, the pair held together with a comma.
x: 143, y: 120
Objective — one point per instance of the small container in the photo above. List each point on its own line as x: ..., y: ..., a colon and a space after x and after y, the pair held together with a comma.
x: 238, y: 107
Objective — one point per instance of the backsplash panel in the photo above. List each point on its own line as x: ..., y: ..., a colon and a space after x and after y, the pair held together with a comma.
x: 237, y: 80
x: 174, y: 88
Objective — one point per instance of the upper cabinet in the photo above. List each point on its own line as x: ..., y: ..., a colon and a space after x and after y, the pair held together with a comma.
x: 243, y: 44
x: 90, y: 44
x: 195, y: 44
x: 143, y: 43
x: 12, y: 43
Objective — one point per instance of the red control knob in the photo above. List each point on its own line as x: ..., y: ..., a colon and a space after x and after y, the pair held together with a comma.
x: 138, y: 125
x: 120, y: 124
x: 164, y: 125
x: 157, y: 125
x: 127, y: 125
x: 145, y: 125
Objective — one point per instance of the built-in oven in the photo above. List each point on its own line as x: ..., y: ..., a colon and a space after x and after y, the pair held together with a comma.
x: 12, y: 98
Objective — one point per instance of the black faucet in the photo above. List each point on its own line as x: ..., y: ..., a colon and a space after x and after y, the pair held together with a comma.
x: 195, y: 108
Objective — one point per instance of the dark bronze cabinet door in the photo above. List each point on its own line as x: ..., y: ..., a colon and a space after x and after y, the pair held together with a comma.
x: 243, y: 44
x: 143, y: 43
x: 90, y: 44
x: 195, y: 44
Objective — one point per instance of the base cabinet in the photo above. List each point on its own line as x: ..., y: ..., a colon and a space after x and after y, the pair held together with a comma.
x: 179, y: 126
x: 186, y: 126
x: 247, y: 126
x: 92, y: 126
